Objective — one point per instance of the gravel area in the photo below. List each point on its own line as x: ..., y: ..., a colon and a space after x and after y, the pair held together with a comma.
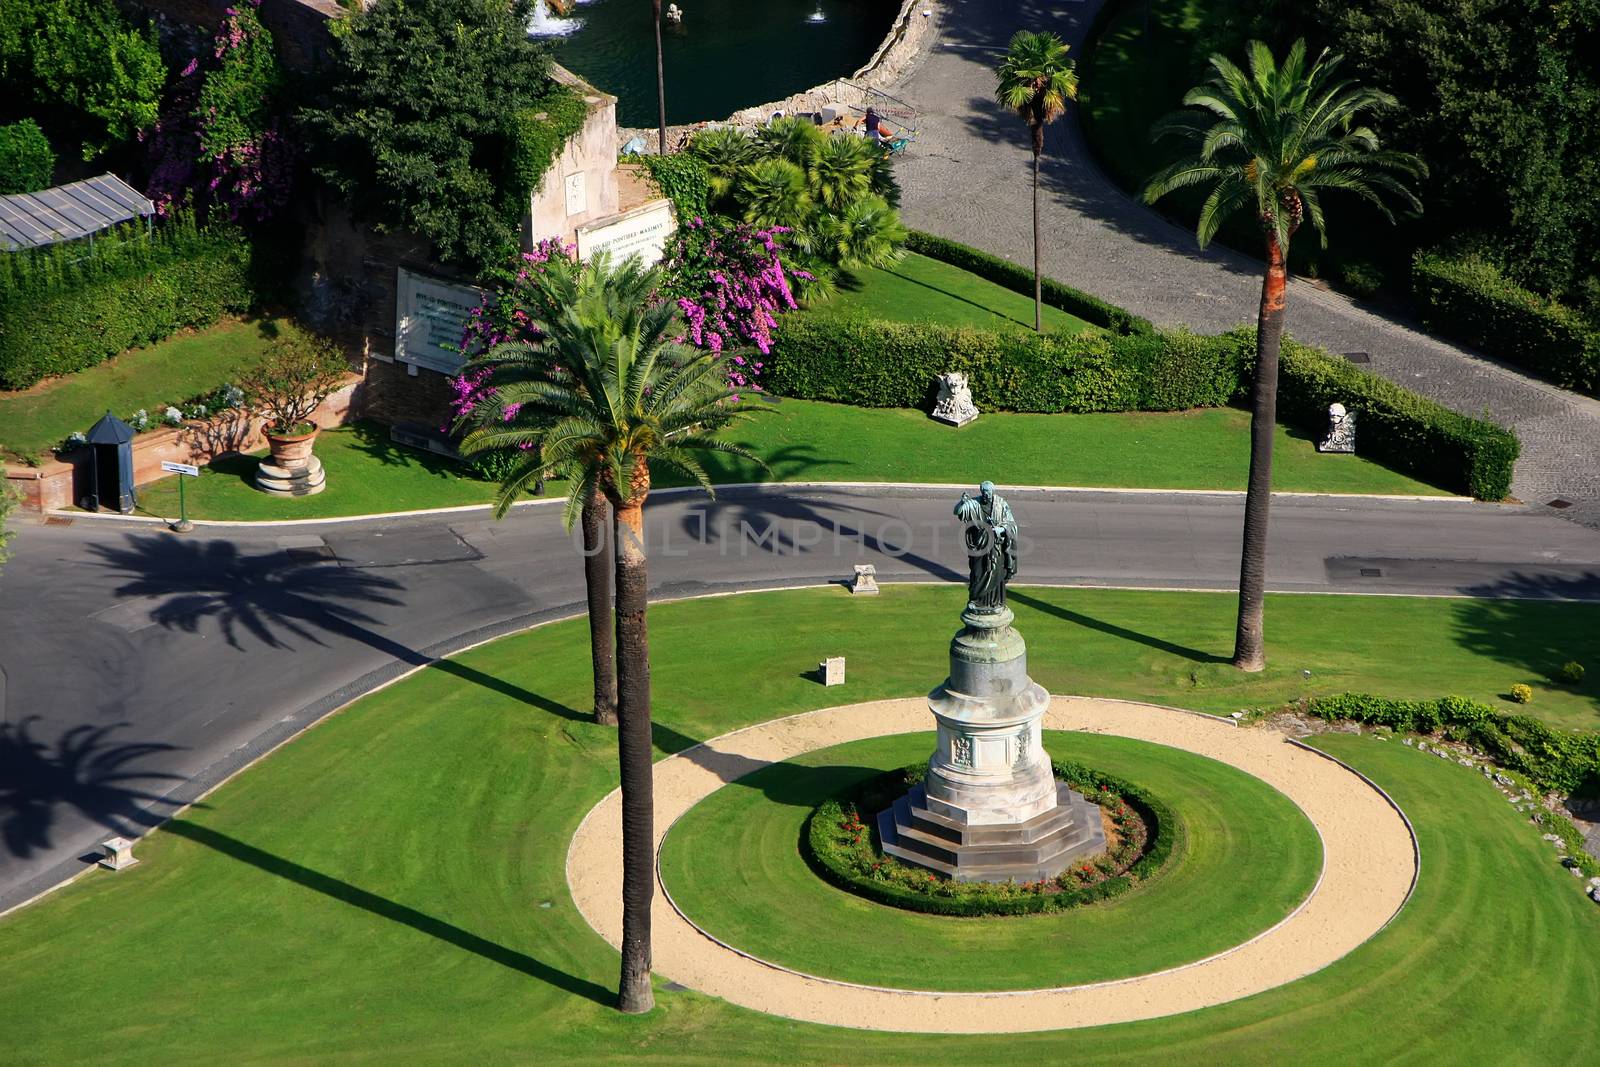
x: 1369, y: 866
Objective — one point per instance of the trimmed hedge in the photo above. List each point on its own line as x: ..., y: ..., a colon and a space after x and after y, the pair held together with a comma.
x: 67, y: 308
x: 26, y: 161
x: 871, y: 363
x: 1394, y: 425
x: 1469, y: 299
x: 1004, y: 898
x: 1554, y: 760
x: 1019, y: 279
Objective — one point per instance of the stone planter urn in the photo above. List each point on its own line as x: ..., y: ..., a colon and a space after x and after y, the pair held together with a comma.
x: 292, y: 469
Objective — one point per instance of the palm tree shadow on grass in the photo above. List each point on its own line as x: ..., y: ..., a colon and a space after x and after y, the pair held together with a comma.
x: 85, y: 770
x: 1111, y: 629
x: 388, y: 909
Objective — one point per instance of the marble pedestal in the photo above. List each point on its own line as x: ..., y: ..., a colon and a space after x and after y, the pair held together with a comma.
x: 990, y: 809
x: 307, y: 479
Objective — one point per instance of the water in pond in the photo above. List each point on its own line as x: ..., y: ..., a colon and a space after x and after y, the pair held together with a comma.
x: 725, y: 55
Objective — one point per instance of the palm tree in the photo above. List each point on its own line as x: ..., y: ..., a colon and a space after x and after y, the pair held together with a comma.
x: 1036, y: 79
x: 614, y: 396
x: 1271, y: 140
x: 661, y: 82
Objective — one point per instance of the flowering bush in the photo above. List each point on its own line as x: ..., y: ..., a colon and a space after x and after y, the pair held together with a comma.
x: 839, y: 845
x: 509, y: 313
x: 219, y: 137
x: 172, y: 416
x: 731, y: 283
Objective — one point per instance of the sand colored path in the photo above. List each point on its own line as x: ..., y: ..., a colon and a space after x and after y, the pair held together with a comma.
x: 1369, y: 865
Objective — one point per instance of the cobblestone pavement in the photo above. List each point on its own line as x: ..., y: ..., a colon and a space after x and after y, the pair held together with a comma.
x: 967, y: 178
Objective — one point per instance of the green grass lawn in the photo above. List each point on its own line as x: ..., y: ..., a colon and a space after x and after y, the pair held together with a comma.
x: 391, y: 885
x: 803, y: 440
x: 921, y: 289
x: 1233, y: 829
x: 168, y: 372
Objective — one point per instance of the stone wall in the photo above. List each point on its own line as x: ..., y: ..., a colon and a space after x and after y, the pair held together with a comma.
x: 586, y: 168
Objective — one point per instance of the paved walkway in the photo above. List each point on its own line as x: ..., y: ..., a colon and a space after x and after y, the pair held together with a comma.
x: 1100, y: 240
x: 1369, y: 867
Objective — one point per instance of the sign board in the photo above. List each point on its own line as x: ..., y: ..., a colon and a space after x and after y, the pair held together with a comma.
x: 430, y: 319
x: 577, y: 193
x: 180, y: 468
x: 642, y: 232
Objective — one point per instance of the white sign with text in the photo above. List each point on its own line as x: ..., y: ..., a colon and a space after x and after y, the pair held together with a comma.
x: 642, y: 232
x: 431, y: 318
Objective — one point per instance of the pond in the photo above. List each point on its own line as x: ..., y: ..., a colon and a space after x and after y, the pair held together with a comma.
x: 724, y: 55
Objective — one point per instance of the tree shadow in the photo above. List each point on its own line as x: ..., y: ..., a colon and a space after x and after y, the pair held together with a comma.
x: 1121, y: 633
x: 1518, y: 622
x: 387, y: 909
x: 374, y: 441
x: 86, y: 769
x: 268, y: 599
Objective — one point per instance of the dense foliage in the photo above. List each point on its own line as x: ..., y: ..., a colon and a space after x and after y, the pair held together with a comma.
x: 683, y: 179
x: 220, y: 140
x: 1554, y: 759
x: 432, y: 123
x: 26, y: 161
x: 1469, y: 298
x: 872, y: 363
x: 833, y: 193
x: 838, y: 845
x: 1020, y: 280
x: 62, y: 311
x: 86, y: 57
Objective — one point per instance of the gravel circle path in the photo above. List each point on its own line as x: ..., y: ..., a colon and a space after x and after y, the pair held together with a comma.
x: 1369, y: 867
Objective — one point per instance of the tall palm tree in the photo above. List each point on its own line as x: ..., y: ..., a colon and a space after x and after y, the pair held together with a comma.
x: 616, y: 395
x: 661, y: 82
x: 1036, y: 79
x: 1270, y: 141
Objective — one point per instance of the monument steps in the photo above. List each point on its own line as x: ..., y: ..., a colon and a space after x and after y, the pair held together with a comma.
x: 993, y: 854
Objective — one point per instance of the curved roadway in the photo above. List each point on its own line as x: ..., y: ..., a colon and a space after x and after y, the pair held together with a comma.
x: 140, y: 667
x: 1097, y: 238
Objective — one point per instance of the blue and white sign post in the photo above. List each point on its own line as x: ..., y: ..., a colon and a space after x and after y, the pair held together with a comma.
x: 182, y: 470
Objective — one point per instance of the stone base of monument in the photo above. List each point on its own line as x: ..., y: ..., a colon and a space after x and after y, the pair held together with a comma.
x: 990, y: 808
x: 916, y: 831
x: 292, y: 481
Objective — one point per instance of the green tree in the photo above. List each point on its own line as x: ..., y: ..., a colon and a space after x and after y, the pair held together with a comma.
x: 26, y: 162
x: 613, y: 396
x: 8, y: 504
x: 422, y: 118
x: 1036, y: 79
x: 85, y: 55
x: 1271, y: 141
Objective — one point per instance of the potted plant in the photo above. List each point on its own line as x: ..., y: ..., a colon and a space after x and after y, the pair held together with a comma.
x: 297, y: 375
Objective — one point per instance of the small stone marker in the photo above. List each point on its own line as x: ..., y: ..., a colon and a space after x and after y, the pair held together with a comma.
x: 832, y: 670
x: 954, y: 405
x: 119, y: 854
x: 866, y: 579
x: 1341, y: 431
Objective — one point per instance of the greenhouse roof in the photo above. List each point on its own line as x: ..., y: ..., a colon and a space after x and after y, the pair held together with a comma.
x: 68, y: 212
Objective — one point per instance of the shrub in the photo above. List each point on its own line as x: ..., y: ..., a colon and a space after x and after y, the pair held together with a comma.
x: 1360, y: 277
x: 683, y: 179
x: 66, y: 308
x: 1469, y: 299
x: 1394, y: 425
x: 1020, y: 279
x: 26, y: 162
x: 1553, y: 759
x: 1522, y: 694
x: 1571, y: 672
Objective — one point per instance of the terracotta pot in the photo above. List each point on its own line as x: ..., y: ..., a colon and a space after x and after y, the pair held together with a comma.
x: 291, y: 450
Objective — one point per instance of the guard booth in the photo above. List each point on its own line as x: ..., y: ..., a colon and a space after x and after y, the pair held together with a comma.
x: 110, y: 465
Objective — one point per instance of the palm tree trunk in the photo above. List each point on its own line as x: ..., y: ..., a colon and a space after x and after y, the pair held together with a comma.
x: 635, y: 994
x: 597, y: 583
x: 1249, y: 644
x: 661, y: 83
x: 1038, y: 285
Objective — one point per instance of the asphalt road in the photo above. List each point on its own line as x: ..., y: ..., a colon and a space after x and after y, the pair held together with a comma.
x: 140, y: 667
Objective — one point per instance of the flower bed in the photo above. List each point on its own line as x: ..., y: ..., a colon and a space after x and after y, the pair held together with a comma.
x: 844, y: 849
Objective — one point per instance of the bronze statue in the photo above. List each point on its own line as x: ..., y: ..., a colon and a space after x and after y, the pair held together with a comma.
x: 991, y: 539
